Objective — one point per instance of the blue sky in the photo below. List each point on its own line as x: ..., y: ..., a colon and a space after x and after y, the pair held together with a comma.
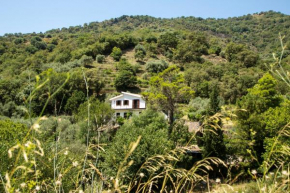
x: 27, y: 16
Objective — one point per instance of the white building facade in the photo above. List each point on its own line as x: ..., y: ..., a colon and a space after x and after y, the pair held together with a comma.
x: 127, y: 104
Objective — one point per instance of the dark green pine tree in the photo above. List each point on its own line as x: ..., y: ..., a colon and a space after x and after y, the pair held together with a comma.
x: 214, y: 100
x: 212, y: 140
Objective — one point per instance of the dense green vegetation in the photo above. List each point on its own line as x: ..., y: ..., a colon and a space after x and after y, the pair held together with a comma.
x: 59, y: 133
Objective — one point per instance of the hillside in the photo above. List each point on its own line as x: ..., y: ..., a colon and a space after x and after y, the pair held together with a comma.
x: 218, y: 50
x: 216, y: 76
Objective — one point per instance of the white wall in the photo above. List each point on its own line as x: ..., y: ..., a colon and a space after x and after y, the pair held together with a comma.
x: 137, y: 112
x: 130, y: 98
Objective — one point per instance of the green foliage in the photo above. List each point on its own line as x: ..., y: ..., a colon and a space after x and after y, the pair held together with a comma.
x: 100, y: 58
x: 214, y: 102
x: 260, y: 98
x: 191, y: 49
x: 198, y: 107
x: 168, y: 41
x: 50, y: 47
x: 31, y: 49
x: 86, y: 61
x: 275, y: 119
x: 239, y: 47
x: 180, y: 135
x: 11, y: 133
x: 239, y: 53
x: 72, y: 104
x: 152, y: 128
x: 140, y: 52
x: 125, y: 79
x: 156, y: 66
x: 124, y: 65
x: 116, y: 53
x: 167, y: 89
x: 19, y: 41
x: 100, y: 113
x: 214, y: 144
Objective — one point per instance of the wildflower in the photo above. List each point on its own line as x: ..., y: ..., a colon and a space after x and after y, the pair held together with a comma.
x: 60, y: 175
x: 58, y: 182
x: 37, y: 188
x: 35, y: 126
x: 240, y: 159
x: 135, y: 182
x: 218, y: 180
x: 43, y: 118
x: 27, y: 144
x: 271, y: 173
x: 17, y: 190
x: 263, y: 189
x: 141, y: 175
x: 232, y: 163
x: 75, y: 164
x: 254, y: 172
x: 267, y: 177
x: 65, y: 153
x: 111, y: 178
x: 59, y: 119
x: 22, y: 185
x: 171, y: 191
x: 81, y: 191
x: 284, y: 172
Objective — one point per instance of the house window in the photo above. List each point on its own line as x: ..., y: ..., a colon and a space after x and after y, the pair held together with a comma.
x: 125, y: 115
x: 117, y: 114
x: 126, y: 102
x: 136, y: 103
x: 118, y: 103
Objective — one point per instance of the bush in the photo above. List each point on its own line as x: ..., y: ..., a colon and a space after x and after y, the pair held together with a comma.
x: 140, y: 52
x: 116, y: 53
x: 100, y: 58
x: 156, y: 66
x: 86, y: 61
x: 198, y: 108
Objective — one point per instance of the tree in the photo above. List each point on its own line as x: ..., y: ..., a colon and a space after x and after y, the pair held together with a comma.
x: 116, y: 53
x: 214, y: 106
x: 167, y: 89
x: 72, y: 104
x: 152, y: 128
x: 167, y: 41
x: 212, y: 140
x: 259, y: 99
x: 125, y: 79
x: 275, y: 120
x: 99, y: 113
x: 191, y: 49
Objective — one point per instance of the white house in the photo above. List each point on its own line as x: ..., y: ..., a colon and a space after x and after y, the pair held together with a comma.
x: 127, y: 103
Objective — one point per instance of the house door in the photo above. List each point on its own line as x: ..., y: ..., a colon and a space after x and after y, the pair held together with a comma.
x: 136, y: 103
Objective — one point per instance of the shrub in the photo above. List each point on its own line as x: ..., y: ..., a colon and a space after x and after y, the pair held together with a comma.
x: 116, y: 53
x: 156, y: 66
x: 140, y: 52
x: 100, y: 58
